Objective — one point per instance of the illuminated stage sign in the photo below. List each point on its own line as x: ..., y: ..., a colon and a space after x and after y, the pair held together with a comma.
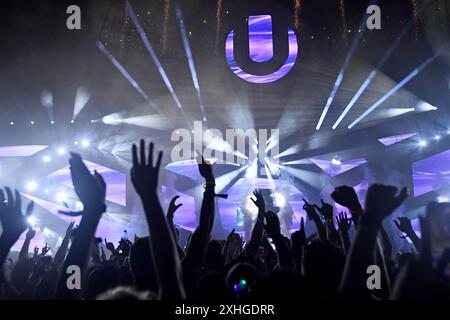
x: 261, y: 50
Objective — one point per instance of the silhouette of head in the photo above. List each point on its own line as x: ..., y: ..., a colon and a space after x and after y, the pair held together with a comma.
x: 323, y: 265
x: 240, y: 280
x: 141, y: 265
x: 101, y: 279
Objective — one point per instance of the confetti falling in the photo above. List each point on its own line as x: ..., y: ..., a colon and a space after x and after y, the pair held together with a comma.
x: 343, y: 19
x: 124, y: 29
x: 218, y: 21
x: 167, y: 5
x: 416, y: 18
x: 297, y: 9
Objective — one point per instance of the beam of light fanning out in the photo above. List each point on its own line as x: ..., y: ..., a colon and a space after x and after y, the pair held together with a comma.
x: 122, y: 70
x: 218, y: 21
x: 340, y: 77
x: 297, y: 10
x: 391, y: 92
x: 187, y: 49
x: 165, y: 24
x: 155, y: 58
x: 374, y: 72
x: 81, y: 99
x: 127, y: 76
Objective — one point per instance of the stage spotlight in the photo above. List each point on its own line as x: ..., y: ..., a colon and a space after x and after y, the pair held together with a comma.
x: 31, y: 220
x: 47, y: 159
x: 342, y: 72
x: 437, y: 137
x: 52, y: 122
x: 31, y: 186
x: 85, y: 143
x: 394, y: 90
x: 72, y: 121
x: 61, y: 151
x: 422, y: 143
x: 187, y: 49
x: 81, y: 99
x: 47, y: 99
x: 154, y: 57
x: 47, y: 191
x: 125, y: 73
x: 442, y: 199
x: 280, y: 200
x: 252, y: 171
x: 423, y: 106
x: 76, y: 143
x: 61, y: 197
x: 11, y: 123
x: 336, y: 161
x: 93, y: 121
x: 32, y: 122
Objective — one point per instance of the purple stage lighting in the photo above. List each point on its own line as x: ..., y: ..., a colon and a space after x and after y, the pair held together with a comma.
x: 334, y: 167
x: 388, y: 141
x: 116, y: 181
x: 20, y: 151
x: 261, y: 50
x: 432, y: 173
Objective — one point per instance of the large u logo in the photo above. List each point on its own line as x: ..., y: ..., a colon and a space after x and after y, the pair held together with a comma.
x: 261, y: 50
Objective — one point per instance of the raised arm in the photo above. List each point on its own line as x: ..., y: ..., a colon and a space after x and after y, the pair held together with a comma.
x: 62, y: 250
x: 173, y: 207
x: 381, y: 201
x: 258, y: 229
x: 91, y: 190
x: 344, y: 224
x: 326, y: 210
x: 346, y: 197
x: 23, y: 254
x: 144, y: 176
x: 14, y: 222
x: 404, y: 225
x: 312, y: 215
x: 200, y: 237
x: 273, y: 231
x: 298, y: 241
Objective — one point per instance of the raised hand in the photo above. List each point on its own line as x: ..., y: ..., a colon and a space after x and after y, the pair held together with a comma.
x: 231, y: 235
x: 14, y: 222
x: 144, y: 174
x: 110, y: 247
x: 310, y: 210
x: 343, y: 222
x: 173, y: 207
x: 30, y: 234
x: 326, y: 210
x: 205, y: 169
x: 124, y: 247
x: 90, y: 189
x: 298, y: 238
x: 259, y: 201
x: 45, y: 250
x: 35, y: 252
x: 272, y: 226
x: 346, y: 196
x: 381, y: 200
x: 404, y: 225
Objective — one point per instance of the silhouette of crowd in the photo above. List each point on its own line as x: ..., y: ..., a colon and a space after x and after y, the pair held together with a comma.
x: 332, y: 263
